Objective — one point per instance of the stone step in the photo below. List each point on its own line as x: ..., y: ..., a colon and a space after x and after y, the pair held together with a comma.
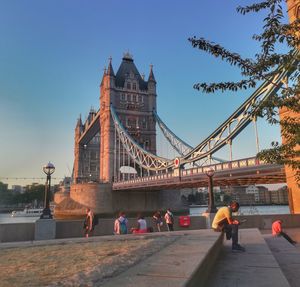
x: 287, y: 256
x: 255, y: 267
x: 185, y: 262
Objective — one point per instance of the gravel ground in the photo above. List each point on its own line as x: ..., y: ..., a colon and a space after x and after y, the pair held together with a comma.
x: 75, y: 264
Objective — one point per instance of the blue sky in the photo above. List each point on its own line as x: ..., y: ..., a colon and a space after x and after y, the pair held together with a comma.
x: 52, y: 56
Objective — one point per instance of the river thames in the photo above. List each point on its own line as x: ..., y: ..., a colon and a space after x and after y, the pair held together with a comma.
x: 249, y: 210
x: 194, y: 211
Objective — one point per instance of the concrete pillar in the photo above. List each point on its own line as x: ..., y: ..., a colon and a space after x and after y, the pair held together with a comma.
x: 45, y: 229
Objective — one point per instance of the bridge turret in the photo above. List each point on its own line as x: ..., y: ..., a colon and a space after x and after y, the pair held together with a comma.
x: 152, y: 106
x: 91, y: 115
x: 79, y: 126
x: 108, y: 78
x: 78, y: 150
x: 103, y: 76
x: 110, y: 70
x: 151, y: 81
x: 107, y: 97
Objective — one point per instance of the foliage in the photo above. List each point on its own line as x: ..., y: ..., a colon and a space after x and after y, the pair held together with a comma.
x: 6, y: 197
x: 275, y: 37
x: 33, y: 193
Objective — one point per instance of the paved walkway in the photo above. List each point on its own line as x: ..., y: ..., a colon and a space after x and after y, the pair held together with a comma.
x: 255, y: 267
x: 287, y: 256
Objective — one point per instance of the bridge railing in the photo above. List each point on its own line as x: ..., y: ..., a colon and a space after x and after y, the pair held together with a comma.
x: 242, y: 163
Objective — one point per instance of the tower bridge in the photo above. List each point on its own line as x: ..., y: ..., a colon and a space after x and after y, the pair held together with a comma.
x: 122, y: 135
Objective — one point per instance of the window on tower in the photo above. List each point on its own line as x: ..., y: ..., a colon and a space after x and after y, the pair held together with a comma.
x: 144, y: 123
x: 134, y: 86
x: 146, y: 144
x: 93, y: 155
x: 128, y: 86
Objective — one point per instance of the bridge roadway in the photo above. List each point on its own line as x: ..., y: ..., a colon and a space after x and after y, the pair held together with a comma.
x: 240, y: 172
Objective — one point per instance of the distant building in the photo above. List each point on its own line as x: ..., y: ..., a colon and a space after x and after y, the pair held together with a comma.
x: 63, y: 190
x: 17, y: 189
x: 252, y: 194
x: 280, y: 196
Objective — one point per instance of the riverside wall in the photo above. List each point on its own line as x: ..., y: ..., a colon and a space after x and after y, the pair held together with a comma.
x: 12, y: 232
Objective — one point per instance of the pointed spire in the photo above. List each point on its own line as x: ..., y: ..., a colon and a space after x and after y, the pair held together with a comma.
x: 79, y: 123
x: 104, y: 74
x: 110, y: 70
x: 151, y: 75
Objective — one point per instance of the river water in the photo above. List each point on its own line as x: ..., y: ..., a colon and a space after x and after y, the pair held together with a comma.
x: 249, y: 210
x: 7, y: 218
x: 194, y: 211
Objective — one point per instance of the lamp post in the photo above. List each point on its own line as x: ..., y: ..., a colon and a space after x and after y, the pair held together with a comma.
x: 48, y: 170
x: 211, y: 201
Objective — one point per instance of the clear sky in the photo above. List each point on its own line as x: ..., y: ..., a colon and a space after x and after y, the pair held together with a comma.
x: 52, y: 56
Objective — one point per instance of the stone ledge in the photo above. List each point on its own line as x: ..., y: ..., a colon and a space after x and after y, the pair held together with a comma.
x: 185, y: 262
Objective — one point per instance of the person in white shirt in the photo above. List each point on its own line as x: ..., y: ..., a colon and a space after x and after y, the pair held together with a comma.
x: 141, y: 225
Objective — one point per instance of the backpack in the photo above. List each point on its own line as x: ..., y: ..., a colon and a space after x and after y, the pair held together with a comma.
x: 171, y: 218
x: 123, y: 227
x: 85, y: 223
x: 95, y: 220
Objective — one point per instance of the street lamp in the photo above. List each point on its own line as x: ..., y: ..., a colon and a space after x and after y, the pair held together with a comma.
x: 211, y: 201
x: 48, y: 170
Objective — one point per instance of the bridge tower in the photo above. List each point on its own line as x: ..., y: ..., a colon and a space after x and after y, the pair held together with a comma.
x: 98, y: 154
x: 134, y: 99
x: 293, y: 188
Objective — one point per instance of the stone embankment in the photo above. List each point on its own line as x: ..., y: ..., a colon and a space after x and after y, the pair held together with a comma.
x: 180, y: 258
x: 157, y: 259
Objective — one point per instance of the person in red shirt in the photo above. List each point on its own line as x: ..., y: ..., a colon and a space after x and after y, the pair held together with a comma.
x: 277, y: 231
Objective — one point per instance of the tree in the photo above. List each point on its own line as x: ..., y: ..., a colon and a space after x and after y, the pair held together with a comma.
x: 33, y: 193
x: 6, y: 195
x: 275, y: 37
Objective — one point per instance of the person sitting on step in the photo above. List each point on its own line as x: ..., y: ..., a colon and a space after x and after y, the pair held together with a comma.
x: 141, y: 225
x: 223, y: 221
x: 277, y: 231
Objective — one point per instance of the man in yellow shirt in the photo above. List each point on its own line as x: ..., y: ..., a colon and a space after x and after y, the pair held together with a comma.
x: 223, y: 221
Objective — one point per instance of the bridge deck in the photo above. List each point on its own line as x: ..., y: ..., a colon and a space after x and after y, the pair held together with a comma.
x: 242, y: 172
